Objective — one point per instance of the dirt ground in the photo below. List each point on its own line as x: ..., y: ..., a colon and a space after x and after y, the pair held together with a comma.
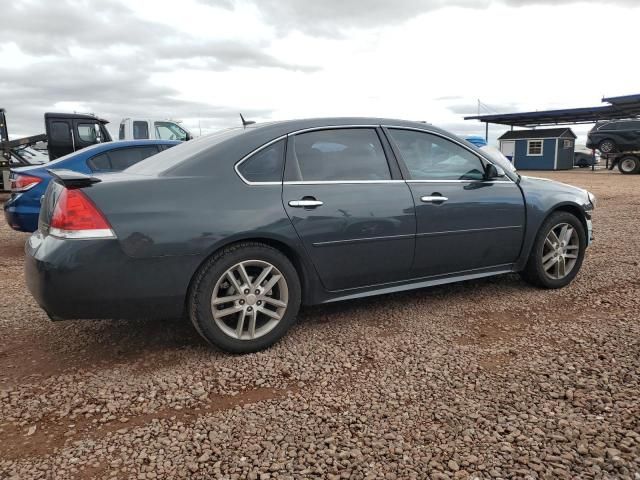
x: 486, y: 379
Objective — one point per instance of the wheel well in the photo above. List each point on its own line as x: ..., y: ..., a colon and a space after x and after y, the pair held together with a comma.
x: 282, y: 247
x: 574, y: 210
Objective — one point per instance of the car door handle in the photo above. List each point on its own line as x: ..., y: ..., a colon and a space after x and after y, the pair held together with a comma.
x: 434, y: 199
x: 305, y: 203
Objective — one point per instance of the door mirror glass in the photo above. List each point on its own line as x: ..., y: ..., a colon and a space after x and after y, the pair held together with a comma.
x: 493, y: 171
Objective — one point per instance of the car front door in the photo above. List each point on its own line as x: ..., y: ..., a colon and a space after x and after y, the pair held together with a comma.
x: 350, y: 207
x: 464, y: 222
x: 629, y: 133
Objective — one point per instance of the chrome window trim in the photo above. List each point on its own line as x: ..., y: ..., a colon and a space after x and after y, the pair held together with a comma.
x: 459, y: 181
x: 330, y: 127
x: 338, y: 182
x: 452, y: 140
x: 252, y: 153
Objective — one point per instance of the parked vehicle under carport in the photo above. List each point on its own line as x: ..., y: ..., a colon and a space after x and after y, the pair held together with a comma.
x: 240, y: 228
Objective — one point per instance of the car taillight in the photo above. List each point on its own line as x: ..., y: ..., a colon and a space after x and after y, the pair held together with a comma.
x: 22, y: 183
x: 75, y: 216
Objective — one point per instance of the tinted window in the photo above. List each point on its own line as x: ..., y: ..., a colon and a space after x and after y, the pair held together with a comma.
x: 125, y: 157
x: 121, y: 132
x: 430, y: 157
x: 265, y: 165
x: 99, y: 162
x: 140, y: 130
x: 117, y: 160
x: 60, y: 132
x: 87, y: 132
x: 340, y: 154
x: 629, y: 126
x: 164, y: 147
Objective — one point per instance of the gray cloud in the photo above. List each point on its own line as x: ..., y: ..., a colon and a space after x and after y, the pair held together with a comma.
x: 113, y: 84
x: 331, y: 17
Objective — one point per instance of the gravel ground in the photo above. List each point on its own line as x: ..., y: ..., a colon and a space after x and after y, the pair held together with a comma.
x: 486, y: 379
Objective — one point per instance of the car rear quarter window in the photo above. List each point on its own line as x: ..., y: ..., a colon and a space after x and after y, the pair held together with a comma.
x: 343, y: 154
x: 140, y: 130
x: 265, y: 165
x: 99, y: 163
x: 431, y: 157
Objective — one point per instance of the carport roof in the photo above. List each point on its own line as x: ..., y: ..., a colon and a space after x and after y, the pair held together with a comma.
x: 619, y: 107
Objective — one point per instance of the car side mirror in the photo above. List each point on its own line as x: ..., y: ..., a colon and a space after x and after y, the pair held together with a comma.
x: 492, y: 171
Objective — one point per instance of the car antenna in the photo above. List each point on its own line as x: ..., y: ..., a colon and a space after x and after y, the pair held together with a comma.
x: 246, y: 122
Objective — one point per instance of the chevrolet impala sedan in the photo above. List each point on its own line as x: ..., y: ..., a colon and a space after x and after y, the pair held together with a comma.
x: 238, y: 229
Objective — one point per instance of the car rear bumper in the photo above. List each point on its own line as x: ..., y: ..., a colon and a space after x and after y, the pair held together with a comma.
x: 94, y: 279
x: 21, y: 219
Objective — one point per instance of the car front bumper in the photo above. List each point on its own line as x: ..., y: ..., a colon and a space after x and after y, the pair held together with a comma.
x: 590, y: 238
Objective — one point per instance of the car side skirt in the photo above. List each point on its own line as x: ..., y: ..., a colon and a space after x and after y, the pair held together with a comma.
x: 415, y: 284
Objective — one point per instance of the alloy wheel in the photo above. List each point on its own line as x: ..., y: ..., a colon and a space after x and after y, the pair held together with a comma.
x: 249, y: 299
x: 560, y: 251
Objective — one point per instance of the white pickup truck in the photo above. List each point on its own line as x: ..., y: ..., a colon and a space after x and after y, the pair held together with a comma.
x: 140, y: 129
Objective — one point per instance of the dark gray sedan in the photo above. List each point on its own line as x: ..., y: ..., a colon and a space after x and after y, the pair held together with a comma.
x: 240, y: 228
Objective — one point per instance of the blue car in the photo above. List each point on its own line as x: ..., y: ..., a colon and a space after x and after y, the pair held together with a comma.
x: 28, y: 184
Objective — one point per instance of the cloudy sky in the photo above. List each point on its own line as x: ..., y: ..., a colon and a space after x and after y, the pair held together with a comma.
x: 203, y: 61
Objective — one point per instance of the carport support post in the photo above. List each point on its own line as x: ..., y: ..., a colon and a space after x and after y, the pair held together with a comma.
x: 486, y: 131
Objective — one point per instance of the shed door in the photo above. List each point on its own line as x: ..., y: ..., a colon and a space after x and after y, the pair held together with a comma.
x: 508, y: 149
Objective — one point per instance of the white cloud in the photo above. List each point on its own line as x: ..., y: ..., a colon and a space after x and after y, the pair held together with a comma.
x: 422, y: 60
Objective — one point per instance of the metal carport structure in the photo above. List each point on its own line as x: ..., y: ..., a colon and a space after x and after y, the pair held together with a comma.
x: 627, y: 106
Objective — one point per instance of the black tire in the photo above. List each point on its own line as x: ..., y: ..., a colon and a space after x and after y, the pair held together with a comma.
x: 200, y: 295
x: 534, y: 271
x: 629, y: 165
x: 607, y: 146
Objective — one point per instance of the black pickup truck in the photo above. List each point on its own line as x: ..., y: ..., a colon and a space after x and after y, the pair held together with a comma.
x: 65, y: 133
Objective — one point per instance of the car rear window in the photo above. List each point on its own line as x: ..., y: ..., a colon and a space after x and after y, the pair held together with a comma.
x: 181, y: 153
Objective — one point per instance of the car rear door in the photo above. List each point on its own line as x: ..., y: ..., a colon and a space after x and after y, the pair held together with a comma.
x: 464, y: 222
x: 349, y: 206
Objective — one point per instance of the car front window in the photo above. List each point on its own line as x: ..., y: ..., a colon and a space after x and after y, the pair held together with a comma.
x: 430, y: 157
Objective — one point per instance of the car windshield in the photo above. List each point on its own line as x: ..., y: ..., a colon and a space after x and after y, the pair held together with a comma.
x: 181, y: 153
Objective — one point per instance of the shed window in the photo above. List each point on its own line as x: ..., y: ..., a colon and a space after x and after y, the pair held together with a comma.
x: 534, y: 148
x: 568, y: 143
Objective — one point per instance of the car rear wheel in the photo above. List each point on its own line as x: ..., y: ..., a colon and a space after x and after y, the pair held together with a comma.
x: 628, y: 165
x: 245, y: 298
x: 558, y: 251
x: 607, y: 146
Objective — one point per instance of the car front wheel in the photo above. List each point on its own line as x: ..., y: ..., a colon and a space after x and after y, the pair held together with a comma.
x: 558, y: 251
x: 245, y: 298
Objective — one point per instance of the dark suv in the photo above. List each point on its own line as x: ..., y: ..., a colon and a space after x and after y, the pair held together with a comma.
x: 615, y: 136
